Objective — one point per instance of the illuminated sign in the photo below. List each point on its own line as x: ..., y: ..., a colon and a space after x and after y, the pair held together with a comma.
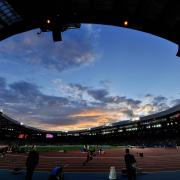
x: 49, y: 136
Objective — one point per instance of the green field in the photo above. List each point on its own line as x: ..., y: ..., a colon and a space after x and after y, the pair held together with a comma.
x: 63, y: 148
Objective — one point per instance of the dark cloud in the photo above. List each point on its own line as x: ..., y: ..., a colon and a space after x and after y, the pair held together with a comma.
x: 23, y: 97
x: 114, y: 99
x: 148, y: 95
x: 24, y: 88
x: 76, y: 49
x: 2, y: 83
x: 175, y: 102
x: 55, y: 120
x: 159, y: 99
x: 24, y: 92
x: 78, y: 87
x: 153, y: 104
x: 100, y: 97
x: 99, y: 94
x: 162, y: 107
x: 156, y: 99
x: 77, y: 90
x: 103, y: 96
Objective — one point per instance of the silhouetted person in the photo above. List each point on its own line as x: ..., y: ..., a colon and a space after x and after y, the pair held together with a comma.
x: 130, y: 165
x: 31, y: 163
x: 88, y: 158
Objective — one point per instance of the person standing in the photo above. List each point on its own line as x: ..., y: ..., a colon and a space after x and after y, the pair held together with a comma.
x: 130, y: 162
x: 31, y: 163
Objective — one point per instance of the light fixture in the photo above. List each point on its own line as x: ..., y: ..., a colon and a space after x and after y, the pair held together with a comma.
x: 48, y: 21
x: 125, y: 23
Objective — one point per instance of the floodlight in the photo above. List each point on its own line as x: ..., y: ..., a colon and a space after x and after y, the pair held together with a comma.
x: 48, y: 21
x: 125, y: 23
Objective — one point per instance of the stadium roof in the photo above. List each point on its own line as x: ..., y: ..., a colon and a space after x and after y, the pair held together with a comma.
x: 158, y: 17
x: 7, y: 121
x: 162, y: 114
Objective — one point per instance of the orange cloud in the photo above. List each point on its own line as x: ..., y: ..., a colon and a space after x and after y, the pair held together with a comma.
x: 92, y: 118
x: 95, y: 117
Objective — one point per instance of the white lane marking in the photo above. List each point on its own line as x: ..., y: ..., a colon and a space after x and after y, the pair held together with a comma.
x: 95, y: 157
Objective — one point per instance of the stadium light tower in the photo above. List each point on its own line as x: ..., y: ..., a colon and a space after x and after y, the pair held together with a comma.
x: 56, y: 25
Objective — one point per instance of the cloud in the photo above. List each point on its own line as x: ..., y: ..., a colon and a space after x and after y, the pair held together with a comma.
x: 24, y: 88
x: 106, y: 84
x: 159, y: 99
x: 95, y: 32
x: 77, y: 107
x: 152, y: 104
x: 93, y: 117
x: 2, y: 83
x: 20, y: 98
x: 76, y: 49
x: 156, y: 99
x: 72, y: 90
x: 99, y: 94
x: 175, y: 102
x: 104, y: 97
x: 93, y: 96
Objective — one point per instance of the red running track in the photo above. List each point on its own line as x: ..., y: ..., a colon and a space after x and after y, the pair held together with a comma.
x: 155, y: 159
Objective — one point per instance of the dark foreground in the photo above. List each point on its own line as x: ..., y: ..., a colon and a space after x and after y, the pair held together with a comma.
x: 7, y: 174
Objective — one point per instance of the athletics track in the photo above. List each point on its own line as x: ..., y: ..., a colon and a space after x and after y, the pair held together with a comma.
x: 156, y: 161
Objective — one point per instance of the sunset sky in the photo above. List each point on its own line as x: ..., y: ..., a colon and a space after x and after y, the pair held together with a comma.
x: 96, y: 75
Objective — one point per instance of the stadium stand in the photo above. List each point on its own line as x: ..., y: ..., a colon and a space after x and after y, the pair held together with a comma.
x: 160, y: 129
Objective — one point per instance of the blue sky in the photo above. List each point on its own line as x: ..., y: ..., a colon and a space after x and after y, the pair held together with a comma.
x: 96, y: 75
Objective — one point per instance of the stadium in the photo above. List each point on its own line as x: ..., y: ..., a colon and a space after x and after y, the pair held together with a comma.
x: 143, y: 132
x: 89, y: 87
x: 155, y: 136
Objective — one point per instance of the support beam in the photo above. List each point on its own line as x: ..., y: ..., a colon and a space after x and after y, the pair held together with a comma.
x: 178, y: 52
x: 56, y: 35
